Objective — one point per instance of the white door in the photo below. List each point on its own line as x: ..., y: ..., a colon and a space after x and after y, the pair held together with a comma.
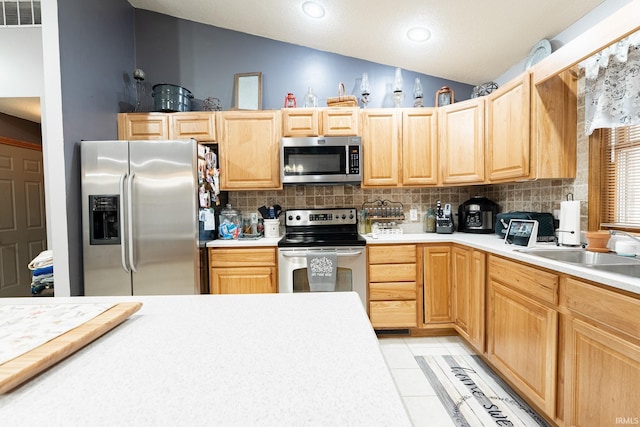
x: 23, y: 232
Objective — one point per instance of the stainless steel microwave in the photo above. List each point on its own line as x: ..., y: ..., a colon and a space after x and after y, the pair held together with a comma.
x: 321, y: 160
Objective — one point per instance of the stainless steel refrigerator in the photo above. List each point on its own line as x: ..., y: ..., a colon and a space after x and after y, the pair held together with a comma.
x: 140, y: 217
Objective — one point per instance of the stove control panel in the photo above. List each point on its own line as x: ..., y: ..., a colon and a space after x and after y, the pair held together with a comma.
x: 320, y: 217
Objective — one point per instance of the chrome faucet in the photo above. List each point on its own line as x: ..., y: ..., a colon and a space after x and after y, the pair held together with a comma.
x: 632, y: 236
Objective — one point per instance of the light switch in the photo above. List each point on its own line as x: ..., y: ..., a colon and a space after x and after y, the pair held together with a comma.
x: 413, y: 214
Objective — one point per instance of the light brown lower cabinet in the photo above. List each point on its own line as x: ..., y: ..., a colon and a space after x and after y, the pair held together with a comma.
x: 522, y: 328
x: 243, y: 270
x: 468, y: 294
x: 602, y: 356
x: 437, y: 284
x: 393, y: 282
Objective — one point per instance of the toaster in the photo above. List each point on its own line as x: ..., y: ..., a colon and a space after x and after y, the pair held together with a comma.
x: 546, y: 225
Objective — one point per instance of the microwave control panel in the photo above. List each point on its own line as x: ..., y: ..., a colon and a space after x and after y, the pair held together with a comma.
x: 354, y: 159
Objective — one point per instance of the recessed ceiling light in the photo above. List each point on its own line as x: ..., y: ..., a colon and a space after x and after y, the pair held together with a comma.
x: 313, y: 9
x: 419, y: 34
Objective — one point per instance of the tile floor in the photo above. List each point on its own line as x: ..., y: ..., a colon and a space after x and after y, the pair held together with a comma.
x: 421, y: 401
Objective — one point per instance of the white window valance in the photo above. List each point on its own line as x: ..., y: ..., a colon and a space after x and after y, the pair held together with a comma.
x: 612, y: 85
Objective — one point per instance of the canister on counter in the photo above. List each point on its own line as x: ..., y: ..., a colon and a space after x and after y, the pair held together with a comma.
x: 230, y: 223
x: 430, y: 221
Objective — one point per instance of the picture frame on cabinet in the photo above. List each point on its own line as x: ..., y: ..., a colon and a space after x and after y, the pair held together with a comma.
x: 248, y: 91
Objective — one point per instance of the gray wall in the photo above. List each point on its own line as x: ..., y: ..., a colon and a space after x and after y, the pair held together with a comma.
x: 96, y: 55
x: 20, y: 129
x: 204, y: 60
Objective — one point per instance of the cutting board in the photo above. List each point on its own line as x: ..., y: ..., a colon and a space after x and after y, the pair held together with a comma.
x: 19, y: 369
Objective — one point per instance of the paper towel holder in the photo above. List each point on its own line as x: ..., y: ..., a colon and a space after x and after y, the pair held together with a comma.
x: 572, y: 229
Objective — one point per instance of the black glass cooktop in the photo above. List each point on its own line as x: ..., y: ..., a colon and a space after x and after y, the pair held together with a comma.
x: 325, y: 240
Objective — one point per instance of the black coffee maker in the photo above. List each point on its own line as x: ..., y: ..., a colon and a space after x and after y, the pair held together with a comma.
x: 477, y: 215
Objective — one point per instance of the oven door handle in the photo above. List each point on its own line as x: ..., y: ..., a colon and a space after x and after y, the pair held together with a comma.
x: 340, y: 253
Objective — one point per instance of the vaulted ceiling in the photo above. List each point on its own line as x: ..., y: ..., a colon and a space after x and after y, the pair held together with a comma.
x: 471, y: 41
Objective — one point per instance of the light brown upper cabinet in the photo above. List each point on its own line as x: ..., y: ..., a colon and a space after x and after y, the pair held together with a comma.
x: 554, y: 130
x: 249, y: 150
x: 319, y: 122
x: 381, y: 147
x: 532, y: 131
x: 143, y: 126
x: 419, y: 147
x: 300, y: 122
x: 461, y: 142
x: 340, y: 121
x: 399, y: 147
x: 508, y: 130
x: 200, y: 126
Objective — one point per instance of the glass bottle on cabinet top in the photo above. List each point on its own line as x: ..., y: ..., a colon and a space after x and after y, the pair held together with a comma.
x: 397, y: 88
x: 417, y: 93
x: 364, y: 90
x: 310, y: 99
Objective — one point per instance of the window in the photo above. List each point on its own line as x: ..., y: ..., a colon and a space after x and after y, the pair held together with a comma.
x: 620, y: 180
x: 26, y: 12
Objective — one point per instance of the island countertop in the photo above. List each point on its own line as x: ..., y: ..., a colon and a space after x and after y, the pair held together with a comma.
x: 271, y: 359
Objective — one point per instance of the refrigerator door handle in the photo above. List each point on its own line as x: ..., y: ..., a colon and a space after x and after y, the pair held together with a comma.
x: 123, y: 244
x: 130, y: 222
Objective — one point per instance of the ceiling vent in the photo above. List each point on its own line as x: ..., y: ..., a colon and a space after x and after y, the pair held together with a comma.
x: 20, y: 13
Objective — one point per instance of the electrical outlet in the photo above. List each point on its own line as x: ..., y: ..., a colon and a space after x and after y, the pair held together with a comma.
x: 413, y: 214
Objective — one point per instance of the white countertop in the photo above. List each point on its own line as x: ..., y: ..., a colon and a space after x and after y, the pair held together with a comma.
x: 486, y: 242
x: 493, y: 244
x: 231, y: 243
x: 269, y: 360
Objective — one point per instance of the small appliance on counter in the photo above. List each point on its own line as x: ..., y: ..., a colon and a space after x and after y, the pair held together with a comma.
x: 477, y: 215
x: 444, y: 219
x: 546, y: 226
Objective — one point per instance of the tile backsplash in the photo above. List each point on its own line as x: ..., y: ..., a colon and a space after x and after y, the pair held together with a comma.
x: 537, y: 196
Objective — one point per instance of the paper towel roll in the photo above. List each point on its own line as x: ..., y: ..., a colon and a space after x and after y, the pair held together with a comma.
x: 569, y: 221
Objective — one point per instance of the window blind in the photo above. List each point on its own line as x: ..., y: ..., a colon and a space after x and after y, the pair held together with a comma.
x: 25, y: 12
x: 621, y: 177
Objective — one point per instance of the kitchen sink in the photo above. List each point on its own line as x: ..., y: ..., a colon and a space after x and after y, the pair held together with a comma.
x: 629, y: 266
x: 582, y: 257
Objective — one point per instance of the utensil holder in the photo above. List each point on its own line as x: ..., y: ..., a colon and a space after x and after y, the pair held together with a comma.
x: 271, y: 228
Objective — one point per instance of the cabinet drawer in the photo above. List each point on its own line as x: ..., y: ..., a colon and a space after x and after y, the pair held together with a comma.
x: 393, y: 314
x: 400, y: 254
x: 244, y: 257
x: 604, y: 306
x: 530, y: 280
x: 392, y: 291
x: 392, y: 273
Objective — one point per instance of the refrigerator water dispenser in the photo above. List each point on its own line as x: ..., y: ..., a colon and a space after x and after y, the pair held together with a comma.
x: 104, y: 214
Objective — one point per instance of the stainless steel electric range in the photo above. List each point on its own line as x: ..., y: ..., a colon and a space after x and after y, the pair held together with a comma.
x: 312, y: 233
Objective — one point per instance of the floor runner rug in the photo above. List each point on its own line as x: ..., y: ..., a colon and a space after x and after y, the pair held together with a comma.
x: 474, y: 395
